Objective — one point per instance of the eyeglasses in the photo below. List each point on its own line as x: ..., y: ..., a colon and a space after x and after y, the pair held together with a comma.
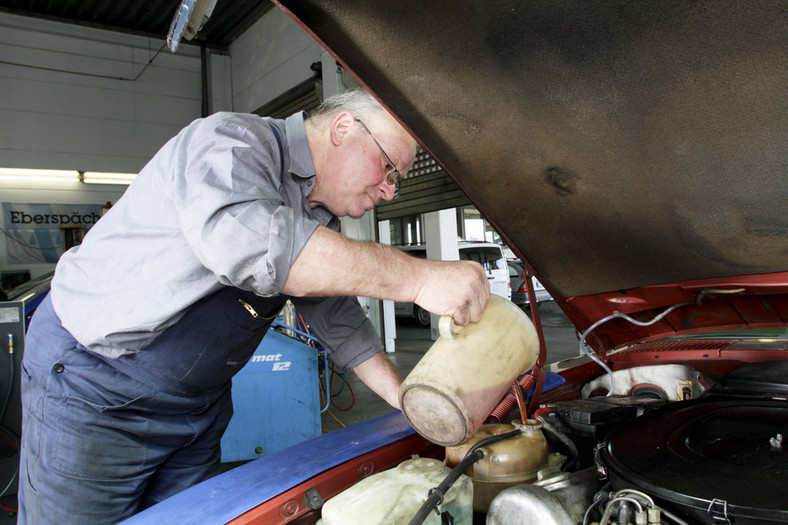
x: 393, y: 175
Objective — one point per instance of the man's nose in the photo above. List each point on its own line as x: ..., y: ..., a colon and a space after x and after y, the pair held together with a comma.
x: 389, y: 190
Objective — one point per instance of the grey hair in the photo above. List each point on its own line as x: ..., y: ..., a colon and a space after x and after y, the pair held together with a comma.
x: 357, y: 101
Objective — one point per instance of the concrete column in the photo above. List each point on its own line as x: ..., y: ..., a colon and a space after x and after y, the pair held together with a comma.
x: 363, y: 229
x: 389, y: 321
x: 220, y: 87
x: 332, y: 75
x: 440, y: 231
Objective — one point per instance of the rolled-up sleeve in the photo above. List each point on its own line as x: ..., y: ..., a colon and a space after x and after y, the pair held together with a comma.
x: 231, y: 205
x: 347, y: 335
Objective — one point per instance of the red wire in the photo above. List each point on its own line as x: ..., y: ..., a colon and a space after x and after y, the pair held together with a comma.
x: 8, y: 440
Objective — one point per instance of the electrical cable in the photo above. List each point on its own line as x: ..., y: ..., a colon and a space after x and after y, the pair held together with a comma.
x: 628, y: 495
x: 349, y: 387
x: 10, y: 388
x: 629, y: 499
x: 92, y: 75
x: 5, y: 433
x: 344, y: 380
x: 598, y: 498
x: 33, y: 253
x: 584, y: 349
x: 435, y: 496
x: 327, y: 374
x: 563, y: 438
x: 304, y: 327
x: 637, y: 493
x: 328, y: 411
x: 326, y: 396
x: 673, y: 517
x: 307, y: 338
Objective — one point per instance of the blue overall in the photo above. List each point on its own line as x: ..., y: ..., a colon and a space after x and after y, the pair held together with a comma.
x: 120, y: 435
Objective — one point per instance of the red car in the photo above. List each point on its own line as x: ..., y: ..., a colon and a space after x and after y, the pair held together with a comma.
x: 633, y: 155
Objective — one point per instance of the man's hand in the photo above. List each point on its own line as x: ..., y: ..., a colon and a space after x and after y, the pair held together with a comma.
x: 456, y: 288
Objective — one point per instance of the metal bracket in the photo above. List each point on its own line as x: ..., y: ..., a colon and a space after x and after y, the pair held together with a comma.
x: 313, y: 499
x: 718, y: 512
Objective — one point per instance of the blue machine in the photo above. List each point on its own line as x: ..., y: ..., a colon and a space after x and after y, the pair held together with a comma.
x: 275, y: 400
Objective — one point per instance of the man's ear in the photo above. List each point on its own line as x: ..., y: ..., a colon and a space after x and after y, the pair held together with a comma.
x: 341, y: 126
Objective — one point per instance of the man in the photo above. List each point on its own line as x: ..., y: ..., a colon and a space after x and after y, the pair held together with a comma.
x: 126, y: 382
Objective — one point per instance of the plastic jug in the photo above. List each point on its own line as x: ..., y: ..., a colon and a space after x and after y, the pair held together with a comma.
x: 451, y: 391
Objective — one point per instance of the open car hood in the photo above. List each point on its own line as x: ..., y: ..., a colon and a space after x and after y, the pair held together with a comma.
x: 633, y: 153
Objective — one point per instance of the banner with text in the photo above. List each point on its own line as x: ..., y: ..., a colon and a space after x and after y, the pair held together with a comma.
x: 33, y: 232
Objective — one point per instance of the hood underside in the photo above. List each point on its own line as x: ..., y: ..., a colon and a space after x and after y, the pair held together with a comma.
x: 614, y: 145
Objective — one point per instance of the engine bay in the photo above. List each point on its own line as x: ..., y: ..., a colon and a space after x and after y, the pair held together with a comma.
x: 672, y: 446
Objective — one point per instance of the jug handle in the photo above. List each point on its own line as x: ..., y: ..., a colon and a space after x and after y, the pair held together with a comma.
x: 446, y: 327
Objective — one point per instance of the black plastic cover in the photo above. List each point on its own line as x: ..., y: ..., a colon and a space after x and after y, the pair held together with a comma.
x: 704, y: 458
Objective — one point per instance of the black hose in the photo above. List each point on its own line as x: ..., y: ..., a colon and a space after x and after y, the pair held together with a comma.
x: 435, y: 497
x: 563, y: 438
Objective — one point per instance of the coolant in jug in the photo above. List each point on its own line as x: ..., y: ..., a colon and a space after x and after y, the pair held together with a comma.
x: 462, y: 377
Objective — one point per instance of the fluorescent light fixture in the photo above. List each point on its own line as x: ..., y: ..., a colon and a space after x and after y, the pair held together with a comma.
x: 189, y: 18
x: 23, y: 174
x: 95, y: 177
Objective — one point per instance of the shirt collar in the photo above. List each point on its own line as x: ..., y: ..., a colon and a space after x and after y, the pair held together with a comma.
x: 298, y: 147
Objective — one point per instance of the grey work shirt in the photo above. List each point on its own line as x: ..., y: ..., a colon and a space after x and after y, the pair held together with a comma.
x: 216, y: 206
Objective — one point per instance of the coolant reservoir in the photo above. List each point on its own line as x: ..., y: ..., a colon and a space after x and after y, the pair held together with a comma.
x: 451, y: 391
x: 505, y: 463
x: 394, y: 496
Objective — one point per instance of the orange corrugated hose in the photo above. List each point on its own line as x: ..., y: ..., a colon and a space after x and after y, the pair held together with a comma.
x: 498, y: 414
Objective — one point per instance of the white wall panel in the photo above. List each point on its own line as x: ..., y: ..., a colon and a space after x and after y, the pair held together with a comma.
x: 271, y: 57
x: 73, y: 97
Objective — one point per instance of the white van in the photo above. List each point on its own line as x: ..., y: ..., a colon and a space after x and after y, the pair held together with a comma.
x: 489, y: 255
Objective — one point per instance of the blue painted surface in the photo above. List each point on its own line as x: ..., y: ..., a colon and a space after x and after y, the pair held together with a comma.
x: 551, y: 381
x: 236, y: 492
x: 276, y: 400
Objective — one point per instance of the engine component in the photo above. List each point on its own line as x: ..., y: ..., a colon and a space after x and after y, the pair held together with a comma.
x: 557, y: 500
x: 704, y: 460
x: 587, y: 421
x: 395, y: 495
x: 677, y: 382
x: 768, y: 379
x: 505, y: 463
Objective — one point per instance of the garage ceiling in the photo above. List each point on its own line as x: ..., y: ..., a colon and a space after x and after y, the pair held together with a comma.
x: 152, y: 18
